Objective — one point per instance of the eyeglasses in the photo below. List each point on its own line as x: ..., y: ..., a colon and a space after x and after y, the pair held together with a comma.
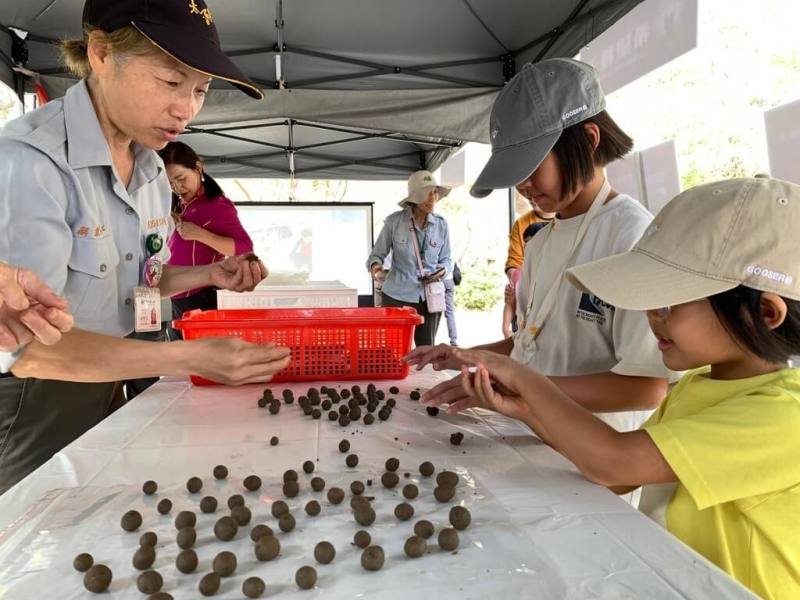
x: 659, y: 314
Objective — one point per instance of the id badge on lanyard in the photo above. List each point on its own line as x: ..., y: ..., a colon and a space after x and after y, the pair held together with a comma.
x: 147, y: 298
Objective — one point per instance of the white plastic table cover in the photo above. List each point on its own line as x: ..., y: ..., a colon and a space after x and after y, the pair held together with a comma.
x: 539, y: 530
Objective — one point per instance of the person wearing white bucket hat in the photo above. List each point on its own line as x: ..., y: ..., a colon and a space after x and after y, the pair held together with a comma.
x: 414, y: 235
x: 718, y: 278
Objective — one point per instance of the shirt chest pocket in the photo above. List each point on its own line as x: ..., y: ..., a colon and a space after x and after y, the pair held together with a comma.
x: 433, y: 248
x: 92, y: 279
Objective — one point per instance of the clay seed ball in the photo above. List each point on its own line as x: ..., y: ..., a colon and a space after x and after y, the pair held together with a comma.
x: 208, y: 504
x: 149, y: 538
x: 351, y: 460
x: 187, y: 536
x: 391, y: 402
x: 333, y: 415
x: 343, y: 410
x: 317, y: 484
x: 279, y: 507
x: 306, y: 577
x: 362, y: 539
x: 186, y: 562
x: 160, y: 596
x: 344, y: 421
x: 224, y: 564
x: 131, y: 520
x: 390, y: 479
x: 273, y: 441
x: 260, y: 531
x: 274, y: 407
x: 335, y: 495
x: 252, y: 483
x: 355, y: 414
x: 369, y: 419
x: 324, y: 552
x: 414, y: 395
x: 364, y: 515
x: 194, y: 485
x: 242, y: 515
x: 313, y: 508
x: 357, y: 501
x: 447, y: 478
x: 448, y: 539
x: 444, y: 493
x: 262, y: 402
x: 185, y: 518
x: 307, y: 410
x: 225, y: 529
x: 143, y: 558
x: 357, y: 487
x: 83, y: 562
x: 308, y: 467
x: 149, y: 487
x: 432, y: 410
x: 384, y: 414
x: 394, y: 390
x: 345, y: 394
x: 404, y: 511
x: 426, y: 469
x: 164, y: 506
x: 286, y: 522
x: 415, y: 546
x: 291, y: 489
x: 289, y: 475
x: 423, y: 529
x: 235, y: 500
x: 372, y: 558
x: 410, y: 491
x: 97, y: 579
x: 456, y: 438
x: 326, y: 405
x: 209, y: 584
x: 149, y: 582
x: 392, y: 464
x: 220, y: 472
x: 344, y: 446
x: 460, y: 517
x: 267, y: 548
x: 253, y: 587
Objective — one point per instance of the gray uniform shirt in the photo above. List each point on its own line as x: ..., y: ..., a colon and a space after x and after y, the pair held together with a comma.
x: 66, y: 215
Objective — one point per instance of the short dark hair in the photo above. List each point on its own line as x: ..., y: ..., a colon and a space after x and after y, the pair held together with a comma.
x: 578, y: 159
x: 739, y: 311
x: 178, y: 153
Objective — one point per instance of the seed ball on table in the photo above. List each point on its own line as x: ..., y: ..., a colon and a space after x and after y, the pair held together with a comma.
x: 432, y: 410
x: 312, y: 508
x: 225, y: 564
x: 404, y: 511
x: 260, y: 531
x: 369, y: 419
x: 410, y: 491
x: 308, y: 467
x: 186, y: 562
x: 187, y: 536
x: 335, y: 495
x: 143, y: 558
x: 344, y: 409
x: 220, y: 472
x: 235, y: 500
x: 415, y: 546
x: 289, y: 475
x: 351, y: 460
x: 225, y: 529
x: 423, y: 529
x: 326, y: 405
x: 355, y: 414
x: 97, y: 579
x: 185, y: 518
x: 391, y: 403
x: 291, y: 489
x: 344, y: 421
x: 324, y: 552
x: 131, y: 520
x: 253, y: 587
x: 149, y: 582
x: 83, y: 562
x: 306, y: 577
x: 252, y: 483
x: 392, y: 464
x: 333, y: 415
x: 444, y: 493
x: 274, y: 407
x: 317, y: 484
x: 279, y: 508
x: 345, y: 394
x: 149, y: 487
x: 344, y: 446
x: 357, y: 501
x: 448, y: 539
x: 267, y: 548
x: 273, y: 441
x: 414, y: 395
x: 372, y: 558
x: 426, y: 469
x: 357, y: 488
x: 209, y: 584
x: 447, y: 478
x: 148, y: 538
x: 394, y: 390
x: 316, y: 413
x: 160, y: 596
x: 262, y: 402
x: 362, y: 539
x: 194, y: 485
x: 390, y: 479
x: 460, y: 517
x: 456, y: 438
x: 164, y: 506
x: 208, y: 504
x: 364, y: 515
x: 286, y: 523
x: 308, y: 410
x: 242, y: 515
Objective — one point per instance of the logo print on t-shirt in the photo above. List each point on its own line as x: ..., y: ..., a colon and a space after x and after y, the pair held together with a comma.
x: 592, y: 309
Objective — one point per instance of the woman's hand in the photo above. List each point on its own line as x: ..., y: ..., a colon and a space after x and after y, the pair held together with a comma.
x: 440, y: 356
x: 238, y: 273
x: 235, y: 362
x: 189, y: 231
x: 376, y: 271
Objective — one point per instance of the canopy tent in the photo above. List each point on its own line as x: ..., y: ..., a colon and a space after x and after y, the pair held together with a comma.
x: 355, y: 89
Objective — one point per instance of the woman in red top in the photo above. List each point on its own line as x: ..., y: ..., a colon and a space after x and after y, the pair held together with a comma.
x: 207, y: 226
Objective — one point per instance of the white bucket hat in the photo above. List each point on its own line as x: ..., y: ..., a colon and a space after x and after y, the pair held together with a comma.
x: 419, y: 184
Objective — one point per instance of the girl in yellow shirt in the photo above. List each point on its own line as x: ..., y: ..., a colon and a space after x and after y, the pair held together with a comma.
x: 718, y: 275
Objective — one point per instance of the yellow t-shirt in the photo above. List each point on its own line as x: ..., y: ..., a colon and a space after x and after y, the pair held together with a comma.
x: 735, y: 447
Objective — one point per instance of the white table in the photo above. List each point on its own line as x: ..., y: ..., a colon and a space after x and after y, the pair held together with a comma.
x: 539, y: 530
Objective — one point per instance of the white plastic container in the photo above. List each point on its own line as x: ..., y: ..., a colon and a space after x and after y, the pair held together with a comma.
x: 314, y: 294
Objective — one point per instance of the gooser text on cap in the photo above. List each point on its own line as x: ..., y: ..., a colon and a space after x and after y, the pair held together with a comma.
x: 529, y: 115
x: 707, y: 240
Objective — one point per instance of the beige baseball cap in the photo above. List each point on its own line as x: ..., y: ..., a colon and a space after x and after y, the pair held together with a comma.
x: 707, y: 240
x: 419, y: 184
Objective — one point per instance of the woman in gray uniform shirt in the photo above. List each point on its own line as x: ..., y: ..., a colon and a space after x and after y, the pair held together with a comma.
x: 85, y: 203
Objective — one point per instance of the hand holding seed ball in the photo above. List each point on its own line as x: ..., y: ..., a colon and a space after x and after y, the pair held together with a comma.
x: 238, y: 273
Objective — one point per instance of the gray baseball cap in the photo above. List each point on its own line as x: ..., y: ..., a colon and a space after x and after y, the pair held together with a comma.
x: 529, y: 115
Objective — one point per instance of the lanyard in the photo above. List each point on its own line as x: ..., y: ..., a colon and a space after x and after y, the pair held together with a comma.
x: 535, y: 327
x: 415, y: 241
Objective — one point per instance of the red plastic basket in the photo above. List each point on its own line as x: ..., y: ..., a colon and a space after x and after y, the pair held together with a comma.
x: 326, y: 343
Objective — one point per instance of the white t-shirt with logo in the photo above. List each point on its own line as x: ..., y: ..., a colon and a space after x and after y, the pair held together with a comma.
x: 583, y: 334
